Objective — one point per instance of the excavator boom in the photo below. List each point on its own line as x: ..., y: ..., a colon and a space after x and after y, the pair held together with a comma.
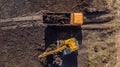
x: 52, y: 52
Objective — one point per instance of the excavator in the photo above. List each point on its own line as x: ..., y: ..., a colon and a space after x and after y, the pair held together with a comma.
x: 67, y: 46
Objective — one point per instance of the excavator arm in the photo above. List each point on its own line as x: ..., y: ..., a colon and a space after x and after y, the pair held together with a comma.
x: 52, y: 52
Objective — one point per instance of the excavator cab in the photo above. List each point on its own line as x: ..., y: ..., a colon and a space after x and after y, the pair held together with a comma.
x: 71, y: 44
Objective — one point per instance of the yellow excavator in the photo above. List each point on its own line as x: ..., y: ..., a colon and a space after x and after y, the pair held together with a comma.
x: 67, y: 46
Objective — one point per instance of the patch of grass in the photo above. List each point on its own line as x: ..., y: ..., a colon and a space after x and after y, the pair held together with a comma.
x: 98, y: 58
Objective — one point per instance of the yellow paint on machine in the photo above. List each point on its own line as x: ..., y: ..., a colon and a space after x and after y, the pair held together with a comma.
x: 77, y: 18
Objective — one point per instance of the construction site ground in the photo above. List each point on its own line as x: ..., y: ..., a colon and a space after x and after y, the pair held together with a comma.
x: 20, y: 47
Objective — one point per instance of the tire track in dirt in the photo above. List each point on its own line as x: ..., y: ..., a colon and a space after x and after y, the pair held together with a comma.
x: 117, y: 39
x: 117, y: 36
x: 117, y: 10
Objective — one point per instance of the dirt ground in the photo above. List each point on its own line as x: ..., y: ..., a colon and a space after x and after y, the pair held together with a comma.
x: 13, y: 8
x: 118, y: 46
x: 20, y: 47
